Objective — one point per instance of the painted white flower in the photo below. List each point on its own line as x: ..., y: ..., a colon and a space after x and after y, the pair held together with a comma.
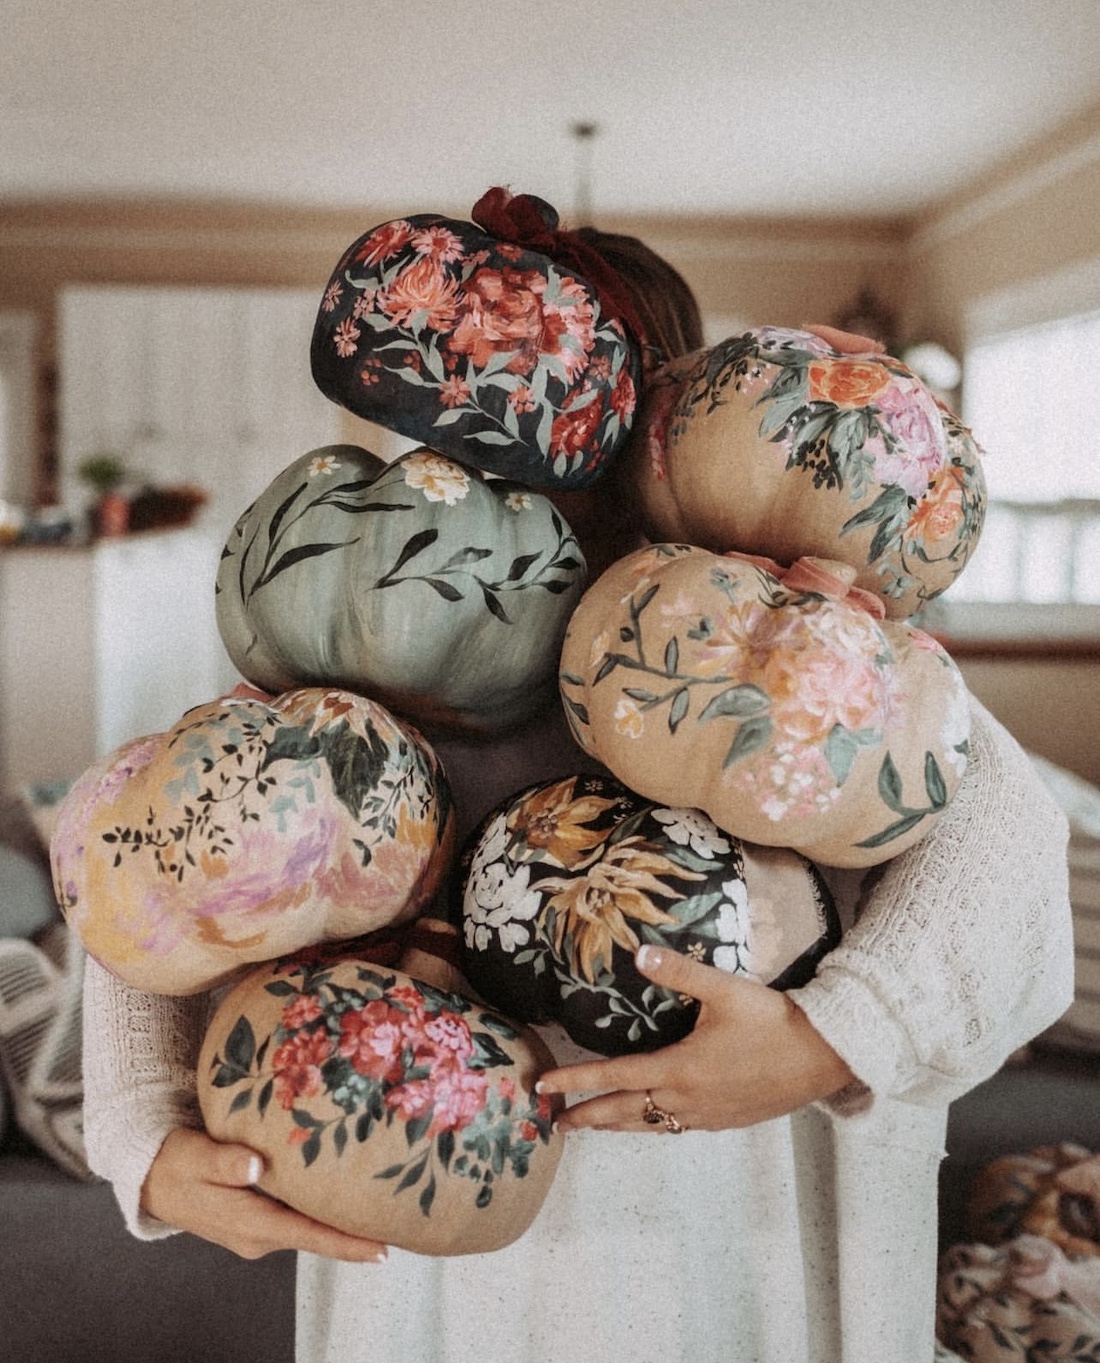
x: 439, y: 479
x: 518, y: 501
x: 323, y: 463
x: 692, y: 828
x: 955, y: 729
x: 498, y: 901
x: 733, y: 928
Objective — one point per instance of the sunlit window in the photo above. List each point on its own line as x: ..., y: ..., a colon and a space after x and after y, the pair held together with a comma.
x: 1030, y: 398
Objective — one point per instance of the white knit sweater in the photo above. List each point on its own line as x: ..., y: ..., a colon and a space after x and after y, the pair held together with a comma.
x: 955, y: 954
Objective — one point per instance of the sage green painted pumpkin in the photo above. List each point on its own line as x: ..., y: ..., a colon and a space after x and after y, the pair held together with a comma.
x: 382, y: 1105
x: 423, y: 584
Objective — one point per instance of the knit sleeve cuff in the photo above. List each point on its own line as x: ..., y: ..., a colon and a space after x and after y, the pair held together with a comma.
x: 847, y: 1012
x: 130, y: 1173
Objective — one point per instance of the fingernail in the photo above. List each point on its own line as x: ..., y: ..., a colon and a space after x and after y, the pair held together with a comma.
x: 648, y: 957
x: 255, y: 1169
x: 542, y: 1087
x: 380, y: 1258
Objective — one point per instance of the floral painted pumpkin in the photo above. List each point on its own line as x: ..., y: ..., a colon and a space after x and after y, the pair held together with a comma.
x: 1052, y: 1191
x: 495, y: 344
x: 562, y: 883
x: 774, y: 443
x: 382, y: 1105
x: 439, y: 592
x: 254, y: 826
x: 774, y: 699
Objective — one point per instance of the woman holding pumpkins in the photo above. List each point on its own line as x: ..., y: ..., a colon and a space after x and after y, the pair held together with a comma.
x: 764, y: 1187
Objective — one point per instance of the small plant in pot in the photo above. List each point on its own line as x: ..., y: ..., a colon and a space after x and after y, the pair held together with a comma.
x: 105, y: 473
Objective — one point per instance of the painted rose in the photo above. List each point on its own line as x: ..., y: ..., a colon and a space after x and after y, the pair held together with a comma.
x: 499, y: 901
x: 692, y: 828
x: 819, y: 671
x: 422, y: 295
x: 911, y: 416
x: 506, y: 312
x: 939, y: 514
x: 297, y: 1066
x: 373, y: 1039
x: 623, y: 395
x: 459, y: 1095
x: 575, y: 427
x: 847, y: 383
x: 438, y: 478
x: 447, y: 1038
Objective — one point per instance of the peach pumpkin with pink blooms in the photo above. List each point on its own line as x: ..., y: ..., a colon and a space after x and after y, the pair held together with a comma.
x: 776, y: 700
x: 775, y: 443
x: 251, y: 828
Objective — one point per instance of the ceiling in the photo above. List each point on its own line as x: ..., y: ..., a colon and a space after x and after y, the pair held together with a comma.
x: 793, y: 107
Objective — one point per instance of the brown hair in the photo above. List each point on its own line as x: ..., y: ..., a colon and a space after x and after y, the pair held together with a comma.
x: 663, y: 299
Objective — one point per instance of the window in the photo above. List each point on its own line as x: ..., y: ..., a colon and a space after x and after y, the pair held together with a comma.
x: 1030, y: 397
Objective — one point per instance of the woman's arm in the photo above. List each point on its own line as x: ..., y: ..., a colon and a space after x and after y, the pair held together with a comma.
x: 143, y: 1132
x: 962, y: 952
x: 139, y: 1082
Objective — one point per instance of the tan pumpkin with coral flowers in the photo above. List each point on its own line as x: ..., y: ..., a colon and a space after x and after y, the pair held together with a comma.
x: 776, y: 700
x: 774, y: 443
x: 381, y: 1105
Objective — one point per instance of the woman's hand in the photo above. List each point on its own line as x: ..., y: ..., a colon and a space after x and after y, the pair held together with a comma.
x: 205, y: 1187
x: 751, y: 1056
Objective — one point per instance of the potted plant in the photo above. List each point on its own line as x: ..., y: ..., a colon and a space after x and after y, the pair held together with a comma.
x: 105, y: 473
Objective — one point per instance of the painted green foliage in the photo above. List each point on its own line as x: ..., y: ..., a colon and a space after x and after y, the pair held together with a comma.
x: 382, y: 1049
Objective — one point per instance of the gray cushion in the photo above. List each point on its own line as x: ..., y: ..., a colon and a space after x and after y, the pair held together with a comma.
x: 27, y: 902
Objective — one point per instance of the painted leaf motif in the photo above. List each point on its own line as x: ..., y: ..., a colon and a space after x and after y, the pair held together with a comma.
x: 678, y: 709
x: 751, y: 736
x: 934, y: 783
x: 298, y: 554
x: 414, y: 545
x: 240, y: 1046
x: 736, y: 702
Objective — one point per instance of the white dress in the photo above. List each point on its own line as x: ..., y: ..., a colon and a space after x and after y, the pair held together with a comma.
x: 809, y: 1239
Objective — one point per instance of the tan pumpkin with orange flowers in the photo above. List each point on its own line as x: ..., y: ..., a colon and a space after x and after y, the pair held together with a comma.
x: 774, y: 443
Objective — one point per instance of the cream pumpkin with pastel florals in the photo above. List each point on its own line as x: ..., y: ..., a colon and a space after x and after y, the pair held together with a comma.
x: 776, y: 700
x: 254, y: 826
